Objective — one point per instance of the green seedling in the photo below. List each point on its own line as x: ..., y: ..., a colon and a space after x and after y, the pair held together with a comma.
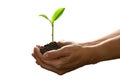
x: 55, y: 16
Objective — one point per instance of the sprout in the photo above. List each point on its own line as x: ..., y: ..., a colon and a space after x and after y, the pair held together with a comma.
x: 55, y: 16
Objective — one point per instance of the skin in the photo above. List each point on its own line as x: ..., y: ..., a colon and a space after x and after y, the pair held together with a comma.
x: 75, y: 55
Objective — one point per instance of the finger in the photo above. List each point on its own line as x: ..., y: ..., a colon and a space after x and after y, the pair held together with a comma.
x: 38, y: 46
x: 35, y: 58
x: 55, y: 54
x: 48, y: 67
x: 38, y: 55
x: 38, y: 59
x: 63, y: 43
x: 56, y: 63
x: 37, y: 52
x: 37, y: 62
x: 56, y: 69
x: 32, y: 54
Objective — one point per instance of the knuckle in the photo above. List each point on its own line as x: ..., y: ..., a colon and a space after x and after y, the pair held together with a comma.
x: 37, y: 63
x: 41, y: 65
x: 60, y: 72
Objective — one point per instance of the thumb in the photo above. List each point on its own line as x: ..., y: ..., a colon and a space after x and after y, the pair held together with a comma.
x: 55, y: 54
x: 64, y: 43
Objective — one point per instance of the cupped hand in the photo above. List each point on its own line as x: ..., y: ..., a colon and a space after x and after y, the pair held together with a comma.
x: 71, y: 56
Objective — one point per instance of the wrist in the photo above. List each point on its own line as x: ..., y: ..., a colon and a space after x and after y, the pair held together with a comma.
x: 91, y: 43
x: 100, y: 53
x: 95, y: 55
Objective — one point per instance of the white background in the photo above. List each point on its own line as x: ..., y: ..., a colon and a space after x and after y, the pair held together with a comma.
x: 83, y: 20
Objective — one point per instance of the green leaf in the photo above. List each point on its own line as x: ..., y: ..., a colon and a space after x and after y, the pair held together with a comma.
x: 43, y: 15
x: 57, y: 14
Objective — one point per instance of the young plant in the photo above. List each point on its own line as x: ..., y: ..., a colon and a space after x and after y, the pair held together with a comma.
x: 55, y: 16
x: 52, y: 45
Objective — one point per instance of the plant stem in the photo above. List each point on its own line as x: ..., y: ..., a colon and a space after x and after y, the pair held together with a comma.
x: 52, y: 32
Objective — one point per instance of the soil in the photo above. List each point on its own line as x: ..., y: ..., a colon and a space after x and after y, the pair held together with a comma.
x: 48, y: 47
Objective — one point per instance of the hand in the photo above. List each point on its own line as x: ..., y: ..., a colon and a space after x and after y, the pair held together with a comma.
x: 71, y: 56
x: 74, y: 55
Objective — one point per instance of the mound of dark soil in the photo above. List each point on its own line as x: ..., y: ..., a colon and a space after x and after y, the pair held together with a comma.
x: 48, y: 47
